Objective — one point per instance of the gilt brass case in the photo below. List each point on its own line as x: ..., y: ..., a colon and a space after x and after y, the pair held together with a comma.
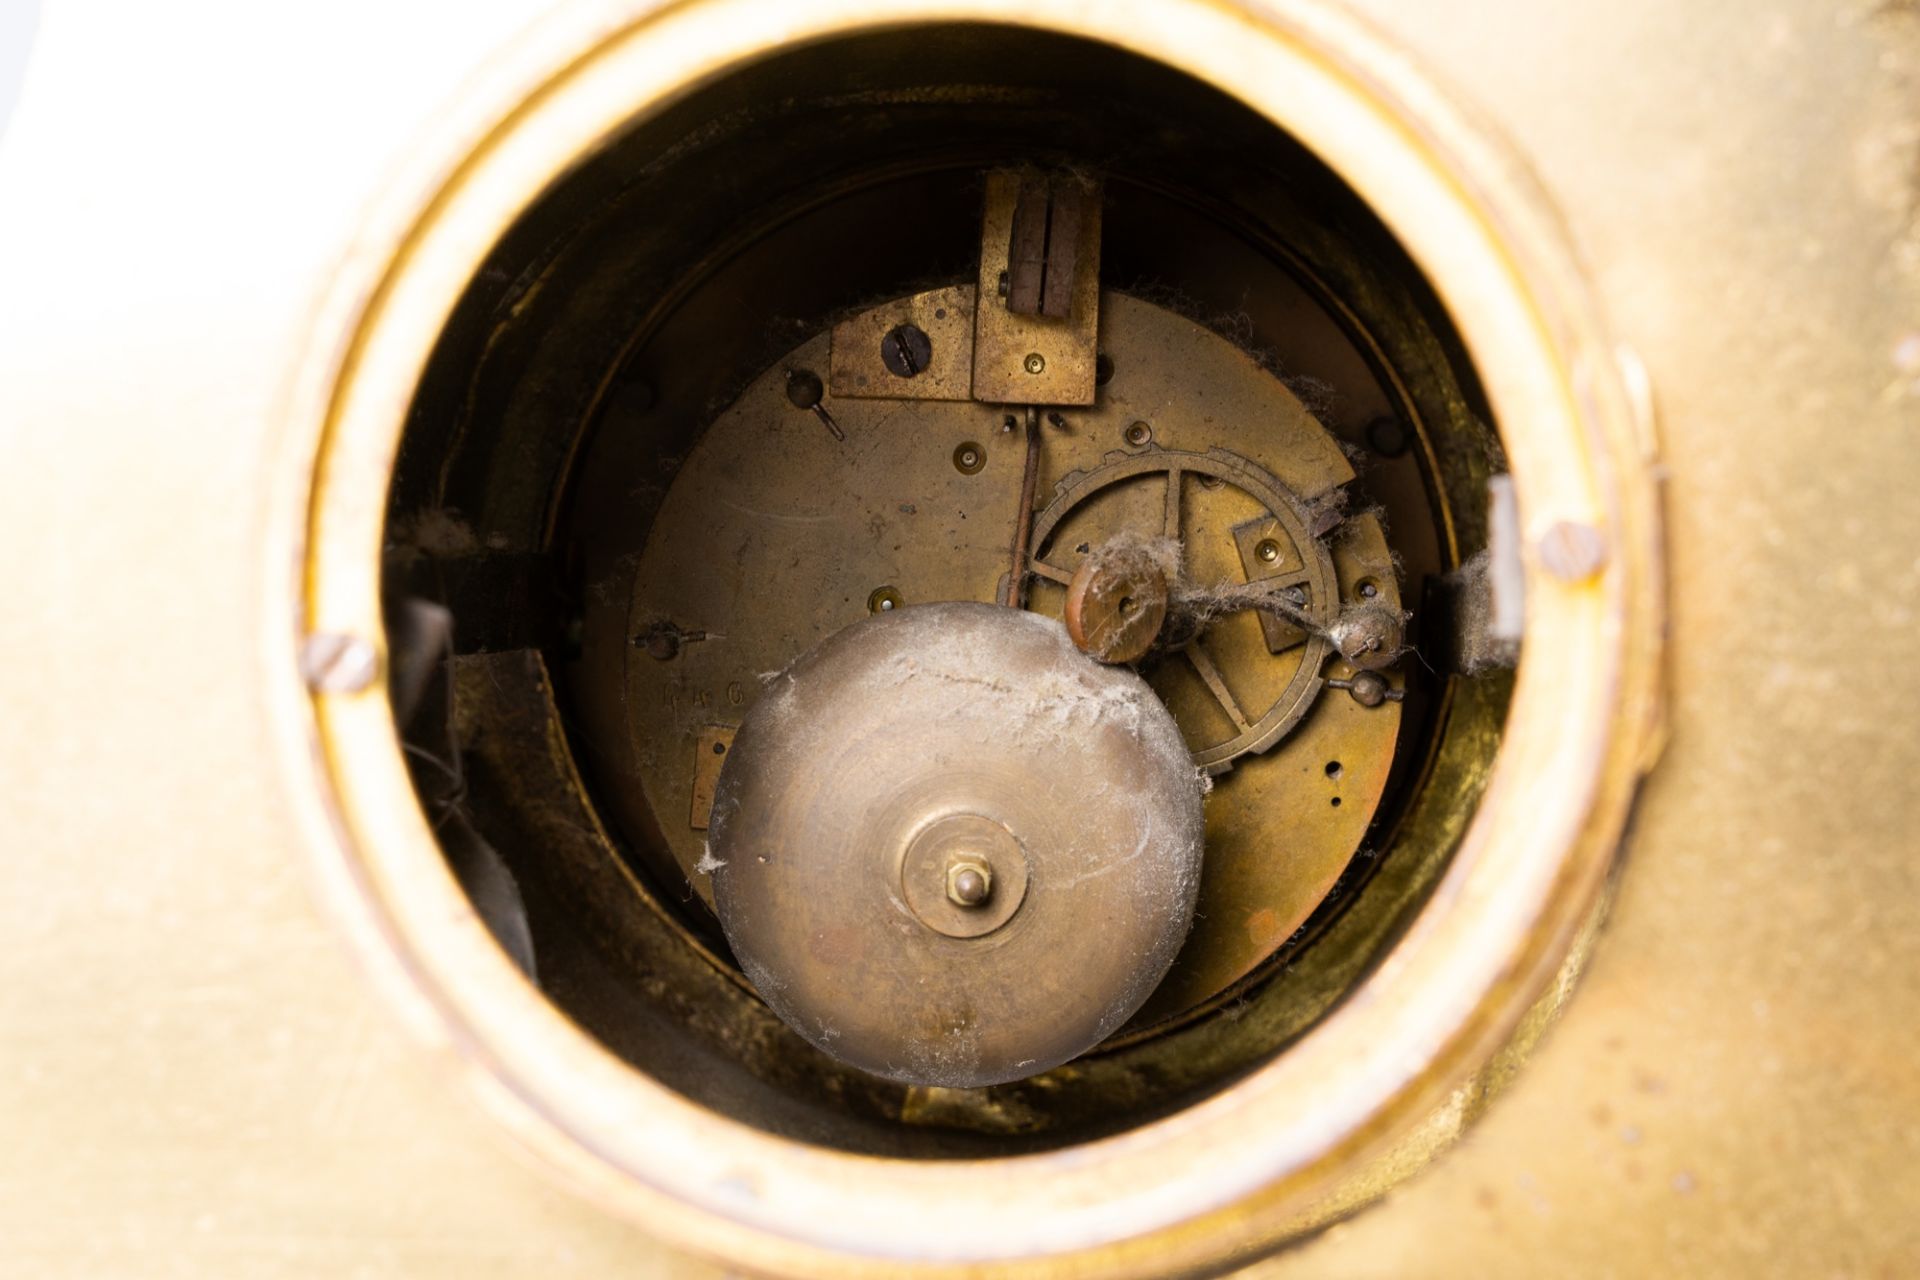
x: 1678, y: 1011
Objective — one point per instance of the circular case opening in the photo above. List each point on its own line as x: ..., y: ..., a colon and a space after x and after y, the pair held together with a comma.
x: 642, y: 1061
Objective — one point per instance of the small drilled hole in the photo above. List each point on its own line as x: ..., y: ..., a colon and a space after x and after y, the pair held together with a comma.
x: 719, y: 748
x: 1335, y: 802
x: 1333, y: 768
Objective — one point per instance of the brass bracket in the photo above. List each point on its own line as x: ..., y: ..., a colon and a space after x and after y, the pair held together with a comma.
x: 1269, y: 554
x: 875, y: 354
x: 1036, y: 320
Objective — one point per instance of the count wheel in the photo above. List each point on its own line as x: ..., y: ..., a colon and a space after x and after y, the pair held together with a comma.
x: 1291, y: 561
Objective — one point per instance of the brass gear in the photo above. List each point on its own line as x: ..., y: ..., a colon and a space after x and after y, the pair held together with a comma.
x: 1313, y: 576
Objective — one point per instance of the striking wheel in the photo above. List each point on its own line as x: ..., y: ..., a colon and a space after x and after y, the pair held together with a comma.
x: 1278, y: 550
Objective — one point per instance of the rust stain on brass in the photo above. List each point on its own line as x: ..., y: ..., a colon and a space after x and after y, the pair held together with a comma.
x: 709, y: 756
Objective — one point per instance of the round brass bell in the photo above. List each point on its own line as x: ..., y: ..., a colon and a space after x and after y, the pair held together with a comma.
x: 951, y: 849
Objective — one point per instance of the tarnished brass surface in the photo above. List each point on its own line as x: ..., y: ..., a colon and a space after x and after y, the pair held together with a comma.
x: 944, y: 316
x: 901, y: 746
x: 767, y: 498
x: 198, y: 1080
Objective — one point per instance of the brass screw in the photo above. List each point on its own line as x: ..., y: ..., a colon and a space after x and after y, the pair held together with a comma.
x: 1036, y: 363
x: 969, y: 882
x: 906, y: 350
x: 1268, y: 550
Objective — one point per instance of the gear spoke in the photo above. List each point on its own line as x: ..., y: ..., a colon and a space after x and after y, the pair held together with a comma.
x: 1052, y: 573
x: 1217, y: 685
x: 1282, y: 582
